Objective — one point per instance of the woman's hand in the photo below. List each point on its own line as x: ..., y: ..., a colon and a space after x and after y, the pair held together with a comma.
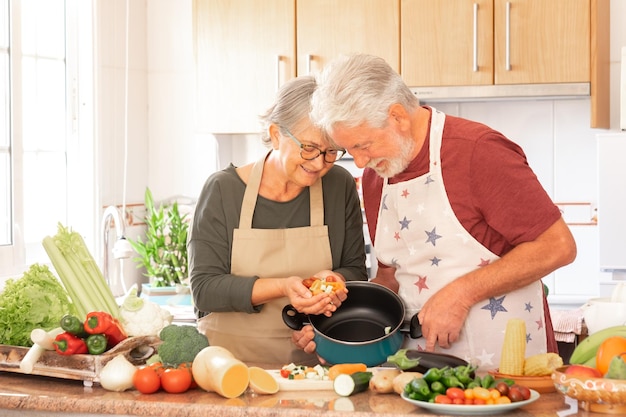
x: 336, y: 297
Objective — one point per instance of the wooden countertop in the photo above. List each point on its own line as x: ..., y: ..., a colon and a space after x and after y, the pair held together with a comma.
x: 39, y: 393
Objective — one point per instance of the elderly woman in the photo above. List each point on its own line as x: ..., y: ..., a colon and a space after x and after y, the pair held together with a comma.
x: 261, y: 228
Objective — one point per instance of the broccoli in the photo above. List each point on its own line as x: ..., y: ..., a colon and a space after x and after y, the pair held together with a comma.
x: 180, y: 344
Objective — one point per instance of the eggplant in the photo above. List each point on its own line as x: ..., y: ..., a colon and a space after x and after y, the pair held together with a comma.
x: 413, y: 360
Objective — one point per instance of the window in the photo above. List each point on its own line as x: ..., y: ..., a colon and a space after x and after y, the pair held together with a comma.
x: 42, y: 138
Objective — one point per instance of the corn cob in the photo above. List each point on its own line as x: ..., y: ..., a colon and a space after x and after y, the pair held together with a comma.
x: 542, y: 364
x: 513, y: 348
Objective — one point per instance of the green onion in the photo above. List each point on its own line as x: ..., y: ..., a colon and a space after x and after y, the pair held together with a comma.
x: 79, y: 273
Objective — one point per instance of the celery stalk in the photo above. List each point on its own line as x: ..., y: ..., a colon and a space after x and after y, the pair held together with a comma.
x: 97, y: 278
x: 78, y: 270
x: 65, y: 273
x: 93, y: 301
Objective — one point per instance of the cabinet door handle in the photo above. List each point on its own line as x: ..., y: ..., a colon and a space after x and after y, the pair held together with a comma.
x: 278, y: 58
x: 507, y: 64
x: 309, y: 58
x: 475, y: 66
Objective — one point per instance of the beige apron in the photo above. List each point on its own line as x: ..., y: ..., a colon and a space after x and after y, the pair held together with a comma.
x: 419, y: 235
x: 302, y: 251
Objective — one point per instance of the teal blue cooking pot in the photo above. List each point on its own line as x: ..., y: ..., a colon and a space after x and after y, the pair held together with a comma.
x: 364, y: 329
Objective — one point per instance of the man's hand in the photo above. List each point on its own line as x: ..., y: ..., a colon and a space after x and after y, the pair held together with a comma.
x: 442, y: 320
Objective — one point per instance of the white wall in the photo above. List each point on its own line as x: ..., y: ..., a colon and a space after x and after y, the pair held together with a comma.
x: 169, y: 156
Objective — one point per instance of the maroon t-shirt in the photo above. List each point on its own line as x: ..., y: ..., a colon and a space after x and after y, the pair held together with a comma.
x: 493, y: 191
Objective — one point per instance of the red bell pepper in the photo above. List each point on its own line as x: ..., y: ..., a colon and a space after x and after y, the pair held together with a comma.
x: 68, y: 344
x: 101, y: 322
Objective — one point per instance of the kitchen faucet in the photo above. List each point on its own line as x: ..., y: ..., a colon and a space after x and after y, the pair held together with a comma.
x: 121, y: 249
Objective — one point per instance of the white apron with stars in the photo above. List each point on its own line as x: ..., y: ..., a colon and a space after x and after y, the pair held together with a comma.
x: 419, y: 235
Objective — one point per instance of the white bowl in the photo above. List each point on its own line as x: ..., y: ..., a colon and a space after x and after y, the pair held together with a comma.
x: 600, y: 313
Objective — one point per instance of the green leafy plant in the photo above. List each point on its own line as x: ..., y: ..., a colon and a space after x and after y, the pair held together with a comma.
x: 164, y: 252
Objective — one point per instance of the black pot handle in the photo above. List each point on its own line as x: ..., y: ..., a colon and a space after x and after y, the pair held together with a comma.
x: 415, y: 328
x: 412, y: 327
x: 294, y: 319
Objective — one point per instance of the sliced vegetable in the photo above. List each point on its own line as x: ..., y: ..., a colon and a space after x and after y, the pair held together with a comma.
x: 346, y: 385
x: 293, y: 371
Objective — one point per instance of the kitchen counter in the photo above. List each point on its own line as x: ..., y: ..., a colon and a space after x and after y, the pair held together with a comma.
x: 45, y: 396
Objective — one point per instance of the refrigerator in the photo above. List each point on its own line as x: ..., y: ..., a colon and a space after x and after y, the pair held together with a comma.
x: 612, y: 203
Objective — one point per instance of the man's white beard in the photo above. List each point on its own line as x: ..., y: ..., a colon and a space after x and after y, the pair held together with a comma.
x: 394, y: 166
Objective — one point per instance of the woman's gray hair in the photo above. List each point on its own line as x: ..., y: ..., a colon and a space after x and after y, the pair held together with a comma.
x: 358, y: 88
x: 292, y: 105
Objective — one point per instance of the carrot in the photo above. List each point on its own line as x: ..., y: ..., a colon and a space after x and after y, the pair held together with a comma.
x: 345, y: 368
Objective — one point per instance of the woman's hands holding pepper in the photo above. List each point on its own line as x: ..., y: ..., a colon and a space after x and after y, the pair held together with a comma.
x: 301, y: 298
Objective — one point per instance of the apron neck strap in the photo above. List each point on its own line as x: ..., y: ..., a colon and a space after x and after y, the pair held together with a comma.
x: 316, y: 197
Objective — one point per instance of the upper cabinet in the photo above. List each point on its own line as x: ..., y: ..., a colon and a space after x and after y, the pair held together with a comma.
x: 447, y: 42
x: 246, y: 49
x: 328, y: 28
x: 547, y: 46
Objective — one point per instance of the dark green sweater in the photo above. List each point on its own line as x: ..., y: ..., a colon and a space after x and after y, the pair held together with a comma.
x: 217, y: 213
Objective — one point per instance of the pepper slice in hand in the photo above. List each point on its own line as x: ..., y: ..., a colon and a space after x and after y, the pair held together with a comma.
x: 96, y: 344
x: 68, y: 344
x: 101, y: 322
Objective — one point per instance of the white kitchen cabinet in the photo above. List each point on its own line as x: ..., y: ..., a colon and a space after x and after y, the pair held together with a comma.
x: 508, y: 42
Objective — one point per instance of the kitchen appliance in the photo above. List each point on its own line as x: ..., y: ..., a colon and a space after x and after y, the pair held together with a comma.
x: 366, y: 328
x: 622, y: 107
x: 611, y: 203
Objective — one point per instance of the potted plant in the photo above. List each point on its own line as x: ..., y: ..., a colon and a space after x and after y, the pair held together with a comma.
x: 163, y: 253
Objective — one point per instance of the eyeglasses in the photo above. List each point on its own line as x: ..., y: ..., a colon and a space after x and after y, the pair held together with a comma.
x: 310, y: 152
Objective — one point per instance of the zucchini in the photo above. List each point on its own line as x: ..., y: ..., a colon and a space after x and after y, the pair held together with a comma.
x: 346, y: 385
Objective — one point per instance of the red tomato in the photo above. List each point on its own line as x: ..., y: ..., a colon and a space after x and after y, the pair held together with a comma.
x: 455, y: 393
x: 285, y: 373
x: 331, y: 278
x: 146, y: 380
x: 307, y: 282
x: 157, y: 367
x: 176, y: 380
x: 443, y: 399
